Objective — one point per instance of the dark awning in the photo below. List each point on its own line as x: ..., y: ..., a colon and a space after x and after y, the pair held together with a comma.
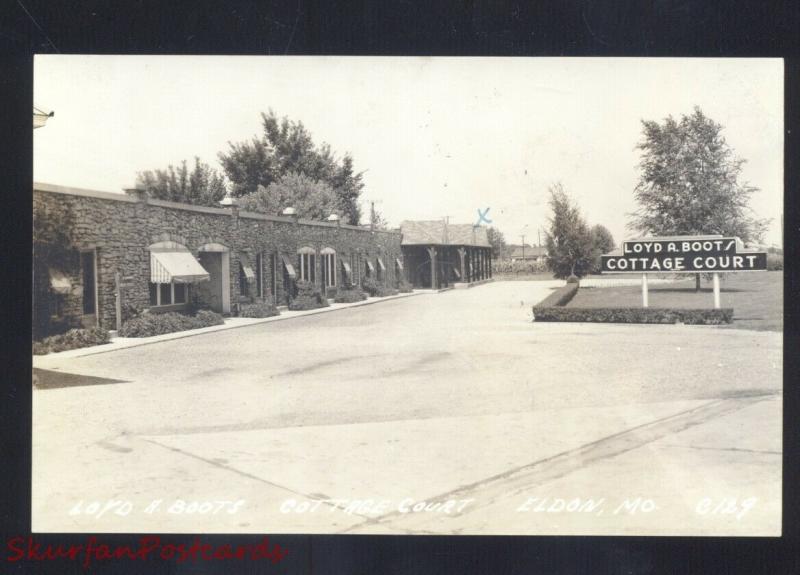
x: 289, y: 267
x: 247, y: 268
x: 370, y: 266
x: 399, y: 263
x: 347, y: 271
x: 380, y: 265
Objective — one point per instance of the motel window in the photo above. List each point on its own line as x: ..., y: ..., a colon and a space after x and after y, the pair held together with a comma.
x: 329, y: 267
x: 260, y: 275
x: 273, y: 263
x: 55, y: 304
x: 172, y: 270
x: 168, y: 294
x: 165, y: 294
x: 243, y: 287
x: 88, y: 272
x: 179, y: 293
x: 355, y: 269
x: 307, y: 262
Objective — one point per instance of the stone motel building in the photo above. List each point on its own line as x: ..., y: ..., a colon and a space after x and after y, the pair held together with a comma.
x: 165, y: 256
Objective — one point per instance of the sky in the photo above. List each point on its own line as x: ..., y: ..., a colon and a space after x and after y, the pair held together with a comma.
x: 436, y: 137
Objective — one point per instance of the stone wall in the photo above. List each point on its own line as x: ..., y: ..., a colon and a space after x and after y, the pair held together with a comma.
x: 121, y: 228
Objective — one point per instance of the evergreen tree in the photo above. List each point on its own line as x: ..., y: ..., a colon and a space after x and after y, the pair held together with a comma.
x: 569, y: 241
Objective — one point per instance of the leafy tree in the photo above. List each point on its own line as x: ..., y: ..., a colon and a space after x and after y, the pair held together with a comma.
x: 602, y: 243
x: 497, y: 241
x: 248, y: 165
x: 202, y: 186
x: 568, y: 240
x: 312, y: 199
x: 287, y: 147
x: 690, y: 182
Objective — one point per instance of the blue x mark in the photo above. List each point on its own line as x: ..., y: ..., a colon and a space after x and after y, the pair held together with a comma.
x: 482, y: 217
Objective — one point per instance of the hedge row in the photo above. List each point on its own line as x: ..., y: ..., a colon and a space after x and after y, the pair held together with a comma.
x: 259, y: 309
x: 560, y: 297
x: 73, y: 339
x: 349, y: 296
x: 149, y: 324
x: 634, y: 315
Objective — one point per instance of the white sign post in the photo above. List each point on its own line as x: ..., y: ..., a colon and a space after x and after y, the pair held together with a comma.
x: 716, y: 291
x: 644, y: 290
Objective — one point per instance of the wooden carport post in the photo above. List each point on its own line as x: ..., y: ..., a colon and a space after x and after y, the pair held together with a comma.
x: 461, y: 253
x: 432, y: 255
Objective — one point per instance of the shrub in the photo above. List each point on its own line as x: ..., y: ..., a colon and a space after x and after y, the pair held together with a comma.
x: 349, y: 296
x: 259, y: 309
x: 308, y: 297
x: 560, y: 297
x: 131, y: 311
x: 404, y: 287
x: 774, y: 262
x: 72, y: 339
x: 150, y: 324
x: 61, y: 325
x: 634, y: 315
x: 384, y: 291
x: 370, y: 285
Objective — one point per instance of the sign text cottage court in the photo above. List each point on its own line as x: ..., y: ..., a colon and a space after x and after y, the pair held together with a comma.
x: 687, y: 255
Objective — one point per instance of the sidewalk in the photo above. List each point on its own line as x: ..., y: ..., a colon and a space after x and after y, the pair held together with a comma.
x: 118, y: 343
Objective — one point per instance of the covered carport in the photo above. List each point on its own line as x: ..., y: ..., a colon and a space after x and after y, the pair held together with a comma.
x: 439, y: 255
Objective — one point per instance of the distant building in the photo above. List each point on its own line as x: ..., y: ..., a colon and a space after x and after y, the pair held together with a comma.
x: 527, y: 253
x: 438, y: 254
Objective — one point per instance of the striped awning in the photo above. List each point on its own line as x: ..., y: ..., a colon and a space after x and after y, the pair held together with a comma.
x: 59, y: 283
x: 380, y: 265
x: 370, y: 266
x: 247, y: 268
x: 399, y: 263
x: 347, y: 271
x: 177, y: 266
x: 289, y: 267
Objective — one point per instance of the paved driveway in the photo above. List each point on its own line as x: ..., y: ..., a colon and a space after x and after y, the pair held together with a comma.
x: 453, y: 398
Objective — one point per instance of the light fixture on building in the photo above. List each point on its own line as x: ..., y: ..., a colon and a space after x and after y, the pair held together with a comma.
x: 333, y: 218
x: 228, y: 201
x: 136, y: 191
x: 40, y: 116
x: 290, y: 211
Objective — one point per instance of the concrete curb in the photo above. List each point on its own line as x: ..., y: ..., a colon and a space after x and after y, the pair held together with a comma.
x: 119, y: 343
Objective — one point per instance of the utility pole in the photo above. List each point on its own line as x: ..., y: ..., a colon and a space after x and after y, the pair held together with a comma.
x: 539, y: 231
x: 523, y: 247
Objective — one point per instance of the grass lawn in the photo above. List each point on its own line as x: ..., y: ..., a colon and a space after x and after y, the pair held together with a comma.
x: 756, y: 298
